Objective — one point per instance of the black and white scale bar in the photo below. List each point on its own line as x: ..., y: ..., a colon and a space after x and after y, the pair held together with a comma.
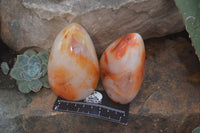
x: 106, y: 109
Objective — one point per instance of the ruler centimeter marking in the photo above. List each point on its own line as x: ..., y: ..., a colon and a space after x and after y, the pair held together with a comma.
x: 92, y: 105
x: 107, y: 110
x: 114, y: 120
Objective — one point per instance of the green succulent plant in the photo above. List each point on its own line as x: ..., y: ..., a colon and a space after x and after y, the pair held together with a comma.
x: 196, y: 130
x: 190, y: 10
x: 30, y: 71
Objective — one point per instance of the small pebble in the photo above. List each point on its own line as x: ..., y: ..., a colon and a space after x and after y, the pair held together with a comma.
x: 5, y: 68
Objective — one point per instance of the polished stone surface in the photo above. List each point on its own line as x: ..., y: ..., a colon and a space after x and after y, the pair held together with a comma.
x: 122, y: 68
x: 73, y: 69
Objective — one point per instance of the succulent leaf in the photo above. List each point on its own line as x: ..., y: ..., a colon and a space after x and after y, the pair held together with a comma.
x: 38, y: 75
x: 44, y: 56
x: 16, y: 73
x: 30, y: 52
x: 36, y: 68
x: 23, y: 86
x: 33, y: 70
x: 22, y: 60
x: 34, y: 59
x: 44, y: 69
x: 35, y: 85
x: 26, y: 76
x: 196, y: 130
x: 26, y: 68
x: 45, y: 81
x: 190, y: 10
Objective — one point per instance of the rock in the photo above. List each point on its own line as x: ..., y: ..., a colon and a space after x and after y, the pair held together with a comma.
x: 167, y: 102
x: 35, y: 23
x: 122, y: 80
x: 5, y: 68
x: 12, y: 104
x: 73, y: 68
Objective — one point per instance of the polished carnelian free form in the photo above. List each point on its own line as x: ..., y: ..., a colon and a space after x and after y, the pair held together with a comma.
x: 122, y: 68
x: 73, y: 69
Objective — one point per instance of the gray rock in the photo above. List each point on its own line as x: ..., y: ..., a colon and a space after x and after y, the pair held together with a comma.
x: 5, y: 68
x: 12, y: 104
x: 35, y: 23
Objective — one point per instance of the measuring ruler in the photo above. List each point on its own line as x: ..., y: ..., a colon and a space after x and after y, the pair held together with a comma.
x: 96, y: 105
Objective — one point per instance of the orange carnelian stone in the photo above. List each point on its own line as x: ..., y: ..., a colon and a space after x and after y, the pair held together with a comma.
x: 122, y: 68
x: 73, y: 69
